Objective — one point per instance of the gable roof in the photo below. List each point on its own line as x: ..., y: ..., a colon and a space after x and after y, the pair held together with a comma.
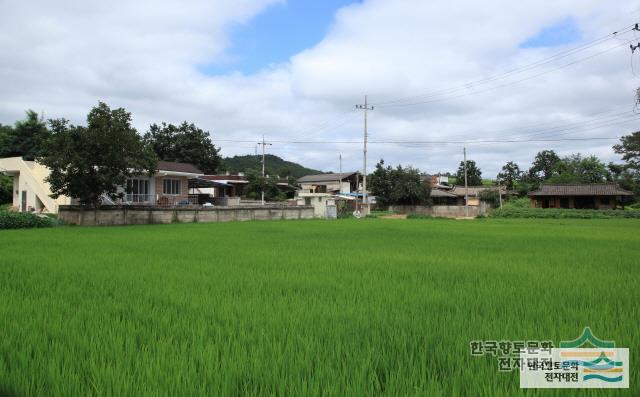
x: 173, y: 166
x: 325, y: 177
x: 581, y: 189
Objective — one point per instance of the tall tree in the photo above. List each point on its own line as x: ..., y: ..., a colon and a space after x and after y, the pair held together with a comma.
x: 474, y: 175
x: 578, y: 169
x: 25, y: 139
x: 627, y: 177
x: 87, y: 162
x: 629, y: 148
x: 544, y: 165
x: 184, y: 143
x: 509, y: 175
x: 398, y: 186
x: 381, y: 184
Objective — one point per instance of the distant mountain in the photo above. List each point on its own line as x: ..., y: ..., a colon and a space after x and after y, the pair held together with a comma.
x: 274, y: 165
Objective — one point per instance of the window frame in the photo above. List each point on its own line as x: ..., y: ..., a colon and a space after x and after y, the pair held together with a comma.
x: 172, y: 187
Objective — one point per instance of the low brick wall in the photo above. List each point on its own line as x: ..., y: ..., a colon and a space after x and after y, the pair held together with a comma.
x: 445, y: 211
x: 140, y: 215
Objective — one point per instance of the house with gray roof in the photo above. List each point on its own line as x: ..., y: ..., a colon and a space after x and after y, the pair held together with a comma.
x: 579, y: 196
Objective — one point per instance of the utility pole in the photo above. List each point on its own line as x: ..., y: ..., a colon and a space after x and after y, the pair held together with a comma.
x: 340, y: 176
x: 499, y: 191
x: 466, y: 187
x: 366, y: 108
x: 263, y: 143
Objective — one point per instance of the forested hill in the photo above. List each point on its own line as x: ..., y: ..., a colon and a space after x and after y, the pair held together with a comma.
x: 274, y: 165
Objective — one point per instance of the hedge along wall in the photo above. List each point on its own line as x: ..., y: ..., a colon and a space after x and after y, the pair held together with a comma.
x: 113, y: 216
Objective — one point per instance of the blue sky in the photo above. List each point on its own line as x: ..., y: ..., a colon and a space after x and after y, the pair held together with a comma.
x: 276, y: 34
x: 561, y: 33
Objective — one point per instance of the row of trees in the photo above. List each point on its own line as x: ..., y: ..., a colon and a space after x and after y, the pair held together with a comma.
x: 548, y: 167
x: 89, y: 161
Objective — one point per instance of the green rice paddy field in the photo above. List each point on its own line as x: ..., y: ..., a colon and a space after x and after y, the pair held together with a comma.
x: 307, y: 307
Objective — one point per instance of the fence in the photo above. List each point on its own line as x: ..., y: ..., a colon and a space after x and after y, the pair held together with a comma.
x: 162, y: 200
x: 141, y: 215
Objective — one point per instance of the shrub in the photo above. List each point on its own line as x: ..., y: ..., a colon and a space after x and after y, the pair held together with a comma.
x: 562, y: 213
x: 24, y: 220
x: 519, y: 202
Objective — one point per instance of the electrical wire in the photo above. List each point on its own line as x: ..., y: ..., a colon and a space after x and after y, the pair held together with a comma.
x: 511, y: 72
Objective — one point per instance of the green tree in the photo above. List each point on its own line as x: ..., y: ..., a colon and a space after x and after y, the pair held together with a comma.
x: 474, y: 175
x: 87, y: 162
x: 629, y: 148
x: 398, y: 186
x: 628, y: 175
x: 269, y: 184
x: 578, y: 169
x: 509, y: 175
x: 544, y: 165
x: 184, y: 143
x: 5, y: 130
x: 25, y: 139
x: 381, y: 184
x: 6, y: 189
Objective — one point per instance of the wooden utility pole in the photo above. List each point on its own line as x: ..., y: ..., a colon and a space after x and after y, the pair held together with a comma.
x: 263, y: 143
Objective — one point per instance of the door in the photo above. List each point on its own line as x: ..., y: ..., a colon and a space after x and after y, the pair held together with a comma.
x: 23, y: 206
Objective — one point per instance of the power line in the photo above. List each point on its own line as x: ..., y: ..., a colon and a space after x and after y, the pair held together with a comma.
x: 442, y: 141
x: 514, y: 71
x: 612, y: 119
x: 505, y: 84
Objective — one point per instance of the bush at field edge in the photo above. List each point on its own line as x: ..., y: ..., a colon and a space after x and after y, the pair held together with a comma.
x: 25, y: 220
x: 562, y: 213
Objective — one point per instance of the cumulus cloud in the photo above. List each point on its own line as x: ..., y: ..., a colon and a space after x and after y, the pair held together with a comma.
x: 62, y: 57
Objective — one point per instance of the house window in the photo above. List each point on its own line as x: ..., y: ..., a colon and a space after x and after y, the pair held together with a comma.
x: 172, y: 186
x: 138, y: 190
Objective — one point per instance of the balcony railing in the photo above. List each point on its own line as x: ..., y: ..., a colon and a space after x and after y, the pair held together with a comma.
x: 165, y: 200
x: 138, y: 199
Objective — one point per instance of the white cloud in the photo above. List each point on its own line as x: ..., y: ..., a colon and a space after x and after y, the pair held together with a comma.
x: 62, y: 57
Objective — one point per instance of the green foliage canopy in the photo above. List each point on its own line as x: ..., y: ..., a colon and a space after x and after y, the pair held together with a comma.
x: 26, y: 138
x: 398, y: 186
x: 184, y: 143
x: 87, y: 162
x: 474, y: 175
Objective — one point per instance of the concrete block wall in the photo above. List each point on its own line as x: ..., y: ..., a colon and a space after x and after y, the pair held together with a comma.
x: 140, y: 215
x: 445, y: 211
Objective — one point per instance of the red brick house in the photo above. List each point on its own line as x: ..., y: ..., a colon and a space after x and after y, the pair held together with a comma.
x: 168, y: 186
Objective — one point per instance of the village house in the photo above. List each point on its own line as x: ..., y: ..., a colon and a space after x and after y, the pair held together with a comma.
x: 228, y: 189
x: 167, y: 187
x: 579, y: 196
x: 325, y: 191
x: 341, y: 183
x: 472, y: 192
